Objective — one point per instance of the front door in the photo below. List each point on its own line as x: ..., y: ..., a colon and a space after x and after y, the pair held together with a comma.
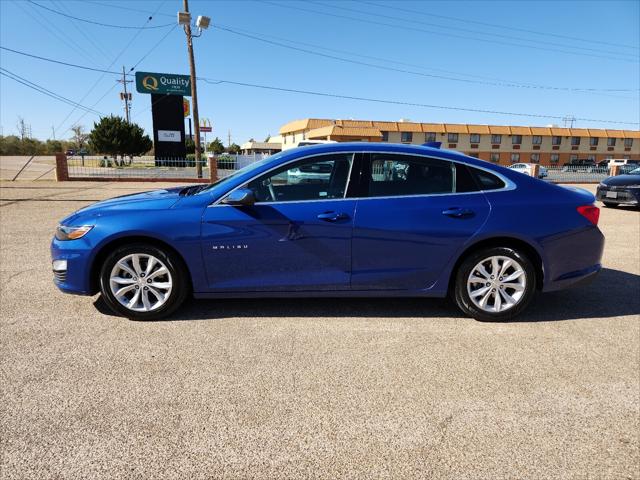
x: 414, y: 215
x: 296, y: 237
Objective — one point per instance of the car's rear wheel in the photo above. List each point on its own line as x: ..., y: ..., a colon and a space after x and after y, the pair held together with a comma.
x: 495, y: 284
x: 143, y: 282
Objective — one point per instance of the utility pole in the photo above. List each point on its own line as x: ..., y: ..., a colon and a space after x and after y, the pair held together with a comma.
x: 194, y: 92
x: 53, y: 132
x: 125, y: 96
x: 229, y: 138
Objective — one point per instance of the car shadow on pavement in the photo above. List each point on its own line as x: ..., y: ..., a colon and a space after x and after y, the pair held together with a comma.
x: 612, y: 293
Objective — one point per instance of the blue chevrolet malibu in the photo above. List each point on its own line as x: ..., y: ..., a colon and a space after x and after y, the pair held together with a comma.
x: 341, y: 219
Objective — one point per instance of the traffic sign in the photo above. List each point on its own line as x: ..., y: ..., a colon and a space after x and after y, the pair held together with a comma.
x: 186, y: 107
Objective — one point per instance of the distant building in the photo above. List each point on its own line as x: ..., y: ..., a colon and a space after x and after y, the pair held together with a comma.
x: 267, y: 148
x: 498, y: 144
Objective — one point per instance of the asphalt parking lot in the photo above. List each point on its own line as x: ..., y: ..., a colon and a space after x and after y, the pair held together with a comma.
x: 372, y: 388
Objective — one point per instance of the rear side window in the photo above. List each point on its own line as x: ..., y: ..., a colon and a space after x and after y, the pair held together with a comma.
x: 401, y: 175
x: 486, y: 180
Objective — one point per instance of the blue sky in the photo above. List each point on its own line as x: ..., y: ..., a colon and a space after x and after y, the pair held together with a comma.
x: 507, y: 56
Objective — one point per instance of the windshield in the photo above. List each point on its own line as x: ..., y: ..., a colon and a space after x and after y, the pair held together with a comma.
x: 243, y: 170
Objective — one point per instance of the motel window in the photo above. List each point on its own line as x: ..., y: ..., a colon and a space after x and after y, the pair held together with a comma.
x: 496, y: 139
x: 453, y: 138
x: 474, y: 138
x: 536, y: 140
x: 611, y: 142
x: 535, y: 158
x: 555, y: 158
x: 626, y: 157
x: 575, y: 141
x: 591, y: 158
x: 385, y: 136
x: 593, y: 141
x: 495, y: 157
x: 430, y: 137
x: 556, y: 140
x: 406, y: 136
x: 515, y: 157
x: 628, y: 142
x: 573, y: 157
x: 516, y: 139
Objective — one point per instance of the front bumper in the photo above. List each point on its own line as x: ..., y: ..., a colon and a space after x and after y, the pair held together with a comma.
x: 614, y: 194
x: 71, y: 266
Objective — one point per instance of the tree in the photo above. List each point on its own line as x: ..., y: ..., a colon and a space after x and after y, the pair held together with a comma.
x: 23, y: 129
x: 234, y: 148
x: 216, y: 146
x: 79, y: 136
x: 114, y: 136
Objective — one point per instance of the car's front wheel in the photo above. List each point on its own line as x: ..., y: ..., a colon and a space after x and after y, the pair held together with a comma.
x: 495, y: 284
x: 143, y: 282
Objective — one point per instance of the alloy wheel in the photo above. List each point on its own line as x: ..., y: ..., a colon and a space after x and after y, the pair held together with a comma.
x: 140, y: 282
x: 496, y: 284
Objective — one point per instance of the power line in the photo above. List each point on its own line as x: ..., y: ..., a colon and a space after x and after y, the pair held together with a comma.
x: 406, y: 27
x: 451, y: 27
x: 383, y: 67
x: 99, y: 23
x: 156, y: 45
x: 59, y: 61
x: 44, y: 91
x: 494, y: 25
x: 412, y: 104
x: 120, y: 7
x: 133, y: 39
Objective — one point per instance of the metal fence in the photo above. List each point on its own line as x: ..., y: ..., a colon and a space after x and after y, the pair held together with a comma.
x: 149, y: 167
x: 574, y: 173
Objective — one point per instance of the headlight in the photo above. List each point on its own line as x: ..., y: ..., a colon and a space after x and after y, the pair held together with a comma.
x: 72, y: 233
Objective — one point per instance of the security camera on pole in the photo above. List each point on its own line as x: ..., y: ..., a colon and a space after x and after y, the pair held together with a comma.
x: 202, y: 23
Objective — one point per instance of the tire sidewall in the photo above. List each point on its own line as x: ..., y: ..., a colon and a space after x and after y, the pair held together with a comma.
x: 461, y: 294
x: 174, y: 265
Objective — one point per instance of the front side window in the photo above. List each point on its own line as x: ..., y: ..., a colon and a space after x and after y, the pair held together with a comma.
x: 628, y: 142
x: 515, y: 157
x: 535, y: 158
x: 322, y: 177
x: 536, y: 140
x: 430, y: 137
x: 474, y: 138
x: 400, y: 175
x: 611, y: 142
x: 496, y: 139
x: 575, y: 141
x: 556, y: 140
x: 453, y: 138
x: 406, y: 136
x: 516, y: 139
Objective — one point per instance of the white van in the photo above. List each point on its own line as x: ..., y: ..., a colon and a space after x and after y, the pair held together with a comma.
x: 617, y: 161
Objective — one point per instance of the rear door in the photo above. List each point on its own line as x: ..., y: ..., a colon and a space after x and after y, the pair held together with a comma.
x: 414, y: 214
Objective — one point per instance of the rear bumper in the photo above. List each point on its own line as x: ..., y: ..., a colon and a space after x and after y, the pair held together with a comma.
x: 572, y: 259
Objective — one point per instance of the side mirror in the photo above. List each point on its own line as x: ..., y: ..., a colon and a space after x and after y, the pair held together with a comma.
x: 240, y: 197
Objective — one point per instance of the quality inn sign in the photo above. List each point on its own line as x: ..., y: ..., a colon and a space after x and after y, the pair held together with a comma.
x: 164, y: 83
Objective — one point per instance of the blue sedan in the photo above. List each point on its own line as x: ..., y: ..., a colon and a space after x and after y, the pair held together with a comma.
x: 337, y: 220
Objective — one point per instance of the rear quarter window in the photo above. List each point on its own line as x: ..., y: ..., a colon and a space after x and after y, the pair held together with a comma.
x: 486, y: 180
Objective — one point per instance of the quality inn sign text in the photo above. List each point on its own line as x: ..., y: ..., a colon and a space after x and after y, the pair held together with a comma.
x: 163, y: 83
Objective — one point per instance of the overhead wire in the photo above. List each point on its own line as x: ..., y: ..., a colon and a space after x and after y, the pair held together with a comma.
x: 453, y: 35
x: 504, y: 83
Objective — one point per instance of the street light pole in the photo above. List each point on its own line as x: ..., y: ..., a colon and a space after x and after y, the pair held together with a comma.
x: 194, y: 91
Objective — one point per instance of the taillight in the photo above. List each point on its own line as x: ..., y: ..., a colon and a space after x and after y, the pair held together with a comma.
x: 590, y: 212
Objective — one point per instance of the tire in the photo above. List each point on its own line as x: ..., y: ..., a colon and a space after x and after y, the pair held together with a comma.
x: 610, y: 204
x: 520, y: 289
x: 158, y: 277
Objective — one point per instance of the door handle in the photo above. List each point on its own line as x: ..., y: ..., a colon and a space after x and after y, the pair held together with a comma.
x: 332, y: 216
x: 457, y: 212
